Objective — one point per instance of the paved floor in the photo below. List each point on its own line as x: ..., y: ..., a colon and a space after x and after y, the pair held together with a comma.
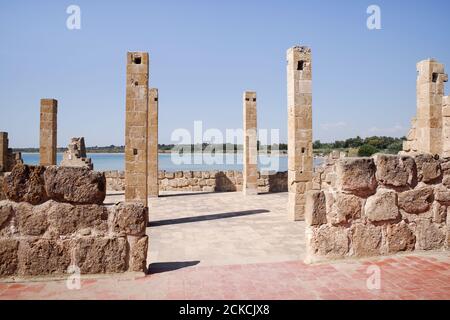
x: 227, y: 246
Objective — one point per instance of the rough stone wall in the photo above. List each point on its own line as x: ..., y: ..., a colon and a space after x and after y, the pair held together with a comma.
x: 429, y: 127
x: 2, y: 193
x: 54, y: 219
x: 300, y: 151
x: 136, y: 127
x: 208, y: 181
x: 48, y: 132
x: 8, y: 158
x: 250, y: 172
x: 75, y: 156
x: 380, y: 205
x: 153, y: 190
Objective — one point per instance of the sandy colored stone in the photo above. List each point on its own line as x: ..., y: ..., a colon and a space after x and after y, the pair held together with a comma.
x: 442, y: 194
x: 31, y: 220
x: 44, y: 257
x: 356, y: 176
x: 75, y: 185
x: 439, y: 212
x: 395, y: 170
x: 138, y: 253
x: 315, y: 211
x: 6, y: 211
x: 101, y: 255
x: 26, y: 184
x: 428, y: 167
x: 366, y: 239
x: 329, y: 241
x: 130, y: 218
x: 342, y: 207
x: 417, y: 200
x: 382, y: 206
x: 8, y: 256
x: 400, y: 237
x: 430, y: 236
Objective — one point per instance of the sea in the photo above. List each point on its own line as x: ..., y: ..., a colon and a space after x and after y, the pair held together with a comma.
x: 186, y: 162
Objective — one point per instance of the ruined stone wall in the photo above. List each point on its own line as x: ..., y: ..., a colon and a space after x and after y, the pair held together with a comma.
x: 75, y: 155
x: 55, y: 218
x: 208, y: 181
x: 380, y: 205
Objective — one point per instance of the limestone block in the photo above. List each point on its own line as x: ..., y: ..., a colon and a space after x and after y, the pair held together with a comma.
x: 356, y: 175
x: 315, y: 208
x: 138, y: 253
x: 6, y: 212
x: 101, y: 255
x: 77, y: 185
x: 396, y: 171
x: 130, y: 218
x: 342, y: 207
x: 400, y: 237
x: 428, y: 167
x: 429, y: 235
x: 442, y: 194
x: 366, y: 239
x: 26, y: 183
x: 329, y: 241
x: 8, y: 256
x: 439, y: 212
x: 417, y: 200
x: 169, y: 175
x: 31, y: 220
x: 382, y: 206
x: 44, y: 257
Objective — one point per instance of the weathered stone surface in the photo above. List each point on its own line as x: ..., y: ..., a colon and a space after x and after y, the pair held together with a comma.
x: 138, y: 253
x: 76, y: 185
x: 130, y: 218
x: 2, y: 192
x: 66, y: 219
x: 43, y: 257
x: 429, y: 235
x: 26, y: 183
x: 417, y: 200
x: 400, y: 238
x: 442, y: 194
x: 394, y: 170
x: 100, y: 255
x: 366, y: 239
x: 329, y: 241
x: 315, y: 211
x: 342, y: 207
x: 382, y: 206
x: 439, y: 212
x: 428, y: 167
x: 6, y: 210
x: 31, y: 220
x: 356, y: 175
x: 8, y: 256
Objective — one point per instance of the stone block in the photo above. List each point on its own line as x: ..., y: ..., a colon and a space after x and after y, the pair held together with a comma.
x: 31, y: 220
x: 429, y: 235
x: 329, y: 241
x: 428, y: 167
x: 315, y: 208
x: 394, y: 170
x: 8, y: 257
x: 138, y: 253
x: 6, y: 212
x: 442, y: 194
x: 26, y: 184
x: 101, y: 255
x: 366, y: 239
x: 382, y: 206
x: 342, y: 207
x: 400, y: 237
x: 130, y: 218
x: 75, y: 185
x: 439, y: 212
x: 416, y: 201
x: 356, y: 176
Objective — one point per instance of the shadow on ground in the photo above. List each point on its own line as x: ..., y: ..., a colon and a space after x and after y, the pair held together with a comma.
x: 159, y: 267
x: 205, y: 217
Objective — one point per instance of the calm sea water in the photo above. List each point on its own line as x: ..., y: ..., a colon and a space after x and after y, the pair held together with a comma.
x: 193, y: 162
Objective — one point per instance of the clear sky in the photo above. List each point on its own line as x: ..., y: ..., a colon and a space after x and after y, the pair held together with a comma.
x: 204, y: 54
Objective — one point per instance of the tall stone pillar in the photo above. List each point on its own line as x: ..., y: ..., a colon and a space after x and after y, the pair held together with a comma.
x: 300, y: 152
x: 446, y: 127
x: 153, y: 185
x: 136, y: 127
x: 430, y: 91
x: 3, y: 151
x: 48, y: 132
x: 250, y: 174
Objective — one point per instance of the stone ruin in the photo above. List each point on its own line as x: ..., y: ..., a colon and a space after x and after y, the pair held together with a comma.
x: 8, y: 159
x: 75, y: 156
x: 55, y: 218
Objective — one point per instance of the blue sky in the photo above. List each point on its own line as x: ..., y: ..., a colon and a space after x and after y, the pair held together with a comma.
x: 204, y: 54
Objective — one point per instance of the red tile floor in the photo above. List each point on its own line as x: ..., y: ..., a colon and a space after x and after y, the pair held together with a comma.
x: 417, y: 276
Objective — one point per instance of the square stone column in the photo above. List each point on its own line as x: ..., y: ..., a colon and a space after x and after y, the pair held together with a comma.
x: 153, y: 184
x: 430, y: 91
x: 446, y: 126
x: 3, y: 152
x: 136, y: 127
x: 48, y: 132
x: 250, y: 174
x: 300, y: 151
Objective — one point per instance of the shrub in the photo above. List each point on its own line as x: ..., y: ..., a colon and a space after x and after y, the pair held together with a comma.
x: 366, y: 150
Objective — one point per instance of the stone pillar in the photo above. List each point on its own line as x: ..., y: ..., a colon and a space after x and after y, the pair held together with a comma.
x: 153, y: 184
x: 250, y: 174
x: 300, y: 152
x: 3, y: 151
x: 136, y: 126
x: 48, y: 132
x: 430, y: 90
x: 446, y: 126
